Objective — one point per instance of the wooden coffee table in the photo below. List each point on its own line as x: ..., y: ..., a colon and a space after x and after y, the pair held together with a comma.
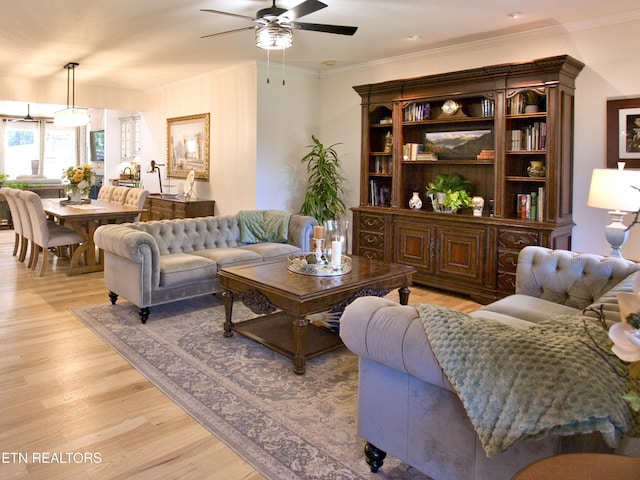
x: 270, y: 286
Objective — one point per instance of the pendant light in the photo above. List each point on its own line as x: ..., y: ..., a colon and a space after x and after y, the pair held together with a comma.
x: 71, y: 116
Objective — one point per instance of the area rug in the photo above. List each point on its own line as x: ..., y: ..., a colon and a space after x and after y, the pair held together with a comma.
x: 286, y: 426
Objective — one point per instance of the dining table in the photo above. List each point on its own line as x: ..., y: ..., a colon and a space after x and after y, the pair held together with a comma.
x: 83, y: 219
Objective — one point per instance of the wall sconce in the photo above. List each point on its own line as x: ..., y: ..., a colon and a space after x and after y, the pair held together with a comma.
x: 71, y: 116
x: 616, y: 191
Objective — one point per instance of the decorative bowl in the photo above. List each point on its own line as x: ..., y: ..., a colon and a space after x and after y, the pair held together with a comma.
x: 324, y: 268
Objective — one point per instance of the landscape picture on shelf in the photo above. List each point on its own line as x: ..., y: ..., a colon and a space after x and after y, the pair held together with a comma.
x: 458, y: 145
x: 188, y: 146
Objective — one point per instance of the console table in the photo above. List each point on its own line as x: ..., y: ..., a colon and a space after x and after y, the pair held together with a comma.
x: 161, y: 208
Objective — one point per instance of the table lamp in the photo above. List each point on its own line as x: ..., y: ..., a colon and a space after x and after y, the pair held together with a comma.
x: 617, y: 191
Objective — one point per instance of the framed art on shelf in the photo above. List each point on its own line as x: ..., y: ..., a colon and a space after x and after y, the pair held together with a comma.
x: 623, y: 132
x: 188, y: 146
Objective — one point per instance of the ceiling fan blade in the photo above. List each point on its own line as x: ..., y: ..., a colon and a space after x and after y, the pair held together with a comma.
x: 305, y: 8
x: 228, y: 31
x: 319, y: 27
x: 226, y: 13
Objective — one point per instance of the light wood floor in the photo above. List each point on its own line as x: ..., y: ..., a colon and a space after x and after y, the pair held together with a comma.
x: 62, y: 390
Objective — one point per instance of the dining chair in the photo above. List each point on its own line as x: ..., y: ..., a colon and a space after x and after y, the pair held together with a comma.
x: 25, y: 223
x: 9, y: 194
x: 136, y: 198
x: 45, y: 234
x: 119, y: 194
x: 105, y: 193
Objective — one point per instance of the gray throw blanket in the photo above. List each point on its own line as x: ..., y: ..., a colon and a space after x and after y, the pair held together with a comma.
x: 528, y: 383
x: 258, y: 226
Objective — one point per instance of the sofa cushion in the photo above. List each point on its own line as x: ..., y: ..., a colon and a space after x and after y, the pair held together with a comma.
x: 524, y: 307
x: 228, y: 257
x: 180, y: 268
x: 272, y: 251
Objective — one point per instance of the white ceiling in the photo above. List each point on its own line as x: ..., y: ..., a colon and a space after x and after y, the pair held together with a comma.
x: 142, y: 44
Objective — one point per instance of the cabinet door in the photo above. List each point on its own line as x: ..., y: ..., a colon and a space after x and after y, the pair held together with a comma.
x: 415, y: 245
x: 461, y: 254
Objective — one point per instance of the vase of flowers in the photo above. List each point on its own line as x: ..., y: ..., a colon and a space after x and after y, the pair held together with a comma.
x: 79, y: 182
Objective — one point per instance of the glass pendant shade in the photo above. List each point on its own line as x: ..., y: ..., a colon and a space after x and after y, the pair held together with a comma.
x: 71, y: 116
x: 274, y: 37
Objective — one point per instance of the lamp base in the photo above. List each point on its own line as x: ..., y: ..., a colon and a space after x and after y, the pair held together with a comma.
x: 616, y: 233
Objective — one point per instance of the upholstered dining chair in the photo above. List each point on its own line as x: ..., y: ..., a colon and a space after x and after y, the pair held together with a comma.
x: 105, y: 192
x: 25, y: 224
x: 9, y: 194
x: 136, y: 198
x: 45, y: 234
x: 119, y: 194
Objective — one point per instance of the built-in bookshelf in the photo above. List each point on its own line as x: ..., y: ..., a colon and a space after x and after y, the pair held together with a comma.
x: 505, y: 128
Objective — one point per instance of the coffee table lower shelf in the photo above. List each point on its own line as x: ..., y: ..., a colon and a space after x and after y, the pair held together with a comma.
x: 275, y: 331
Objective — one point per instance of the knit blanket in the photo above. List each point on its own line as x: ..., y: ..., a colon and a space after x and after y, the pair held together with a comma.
x: 516, y: 384
x: 258, y: 226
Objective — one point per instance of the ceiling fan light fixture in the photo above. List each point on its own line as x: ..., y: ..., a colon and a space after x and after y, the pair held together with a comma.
x: 274, y: 37
x: 71, y: 116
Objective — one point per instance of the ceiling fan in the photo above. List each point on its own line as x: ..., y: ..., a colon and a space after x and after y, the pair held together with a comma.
x: 28, y: 118
x: 274, y: 25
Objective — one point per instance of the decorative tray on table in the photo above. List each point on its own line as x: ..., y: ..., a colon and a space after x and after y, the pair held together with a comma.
x: 321, y: 268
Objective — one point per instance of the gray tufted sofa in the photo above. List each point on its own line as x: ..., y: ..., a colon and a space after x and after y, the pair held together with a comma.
x: 408, y: 408
x: 156, y: 262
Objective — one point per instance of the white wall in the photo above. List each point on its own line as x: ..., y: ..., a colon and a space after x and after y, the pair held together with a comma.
x: 287, y: 117
x: 230, y: 97
x: 612, y: 70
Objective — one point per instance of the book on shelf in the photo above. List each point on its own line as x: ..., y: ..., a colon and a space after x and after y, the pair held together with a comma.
x: 486, y: 154
x: 382, y: 164
x: 426, y: 156
x: 379, y: 194
x: 530, y: 206
x: 488, y: 107
x: 532, y: 137
x: 410, y: 151
x: 417, y: 112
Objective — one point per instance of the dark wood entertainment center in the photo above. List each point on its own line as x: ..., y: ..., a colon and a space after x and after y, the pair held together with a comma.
x: 460, y: 252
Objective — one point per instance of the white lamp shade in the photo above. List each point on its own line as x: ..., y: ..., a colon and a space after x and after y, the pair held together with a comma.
x: 71, y: 117
x: 613, y: 189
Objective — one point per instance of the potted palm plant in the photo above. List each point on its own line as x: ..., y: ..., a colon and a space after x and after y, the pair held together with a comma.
x: 449, y: 193
x: 322, y: 199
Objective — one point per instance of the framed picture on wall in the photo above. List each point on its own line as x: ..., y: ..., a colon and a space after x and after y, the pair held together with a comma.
x: 623, y: 132
x: 188, y: 146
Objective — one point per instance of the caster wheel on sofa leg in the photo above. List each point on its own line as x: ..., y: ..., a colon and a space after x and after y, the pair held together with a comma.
x: 143, y: 314
x: 375, y: 457
x: 113, y: 297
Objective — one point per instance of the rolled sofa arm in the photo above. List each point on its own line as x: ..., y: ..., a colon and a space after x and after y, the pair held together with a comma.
x: 126, y: 242
x: 301, y: 231
x: 391, y: 334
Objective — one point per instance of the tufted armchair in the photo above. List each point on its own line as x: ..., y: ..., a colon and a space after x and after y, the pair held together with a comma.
x: 406, y: 405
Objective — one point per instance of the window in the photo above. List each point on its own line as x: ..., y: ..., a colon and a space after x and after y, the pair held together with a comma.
x: 37, y: 148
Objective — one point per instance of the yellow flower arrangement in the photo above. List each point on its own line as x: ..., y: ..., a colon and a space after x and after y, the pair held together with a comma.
x: 79, y: 178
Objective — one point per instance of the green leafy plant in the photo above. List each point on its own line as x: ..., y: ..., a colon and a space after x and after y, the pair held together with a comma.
x: 454, y: 189
x: 324, y: 184
x: 530, y: 97
x: 3, y: 178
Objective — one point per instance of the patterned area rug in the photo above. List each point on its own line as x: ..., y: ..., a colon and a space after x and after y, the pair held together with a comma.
x: 287, y: 426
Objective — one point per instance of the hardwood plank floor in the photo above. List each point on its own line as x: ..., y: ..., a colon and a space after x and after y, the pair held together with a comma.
x: 62, y: 390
